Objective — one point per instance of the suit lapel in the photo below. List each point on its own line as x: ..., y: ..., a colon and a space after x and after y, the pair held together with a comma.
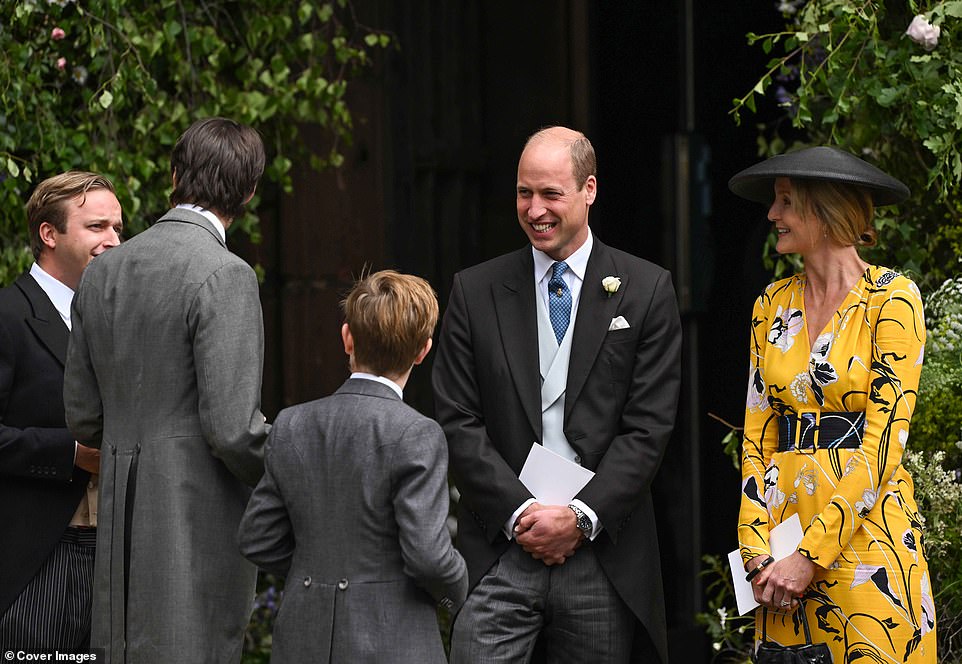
x: 595, y: 311
x: 518, y: 326
x: 45, y: 322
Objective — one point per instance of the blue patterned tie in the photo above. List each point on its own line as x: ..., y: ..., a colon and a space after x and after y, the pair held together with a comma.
x: 559, y: 301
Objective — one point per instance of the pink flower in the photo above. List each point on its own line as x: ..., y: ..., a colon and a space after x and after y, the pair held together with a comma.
x: 922, y: 32
x: 61, y: 63
x: 57, y: 34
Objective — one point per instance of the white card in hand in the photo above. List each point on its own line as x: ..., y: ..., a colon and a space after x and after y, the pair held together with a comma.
x: 551, y: 478
x: 783, y: 540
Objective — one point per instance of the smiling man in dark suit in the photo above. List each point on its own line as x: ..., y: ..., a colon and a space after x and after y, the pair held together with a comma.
x: 48, y: 484
x: 574, y: 345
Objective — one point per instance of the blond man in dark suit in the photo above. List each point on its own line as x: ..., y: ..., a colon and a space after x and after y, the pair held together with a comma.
x: 48, y: 487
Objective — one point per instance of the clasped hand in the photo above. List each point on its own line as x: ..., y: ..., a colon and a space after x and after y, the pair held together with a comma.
x: 780, y: 585
x: 548, y: 532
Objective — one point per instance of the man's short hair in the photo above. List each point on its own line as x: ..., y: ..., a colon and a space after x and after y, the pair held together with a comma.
x: 391, y: 317
x: 217, y: 163
x: 48, y: 201
x: 583, y: 160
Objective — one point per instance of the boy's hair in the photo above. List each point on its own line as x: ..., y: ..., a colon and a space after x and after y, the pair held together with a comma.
x: 48, y: 201
x: 391, y: 316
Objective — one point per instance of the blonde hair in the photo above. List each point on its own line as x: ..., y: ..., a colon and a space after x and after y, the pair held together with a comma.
x: 47, y: 203
x: 391, y: 316
x: 845, y: 210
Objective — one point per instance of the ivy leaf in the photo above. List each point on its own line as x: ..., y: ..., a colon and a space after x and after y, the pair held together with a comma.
x: 887, y: 96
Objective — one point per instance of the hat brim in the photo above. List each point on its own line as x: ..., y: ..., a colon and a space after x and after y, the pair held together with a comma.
x: 757, y: 183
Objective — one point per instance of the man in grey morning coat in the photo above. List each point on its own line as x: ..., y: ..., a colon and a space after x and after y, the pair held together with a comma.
x: 353, y: 502
x: 163, y: 375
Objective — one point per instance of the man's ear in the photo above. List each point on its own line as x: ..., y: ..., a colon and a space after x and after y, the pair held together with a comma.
x: 348, y: 340
x: 48, y: 235
x: 424, y: 351
x: 250, y: 196
x: 591, y: 189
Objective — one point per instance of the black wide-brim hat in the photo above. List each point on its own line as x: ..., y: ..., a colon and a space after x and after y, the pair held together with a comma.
x: 757, y: 183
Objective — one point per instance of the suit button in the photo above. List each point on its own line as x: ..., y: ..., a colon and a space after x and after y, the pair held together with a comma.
x: 577, y: 459
x: 307, y: 582
x: 342, y: 584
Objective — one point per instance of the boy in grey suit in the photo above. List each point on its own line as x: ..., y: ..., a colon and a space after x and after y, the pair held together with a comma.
x: 353, y: 502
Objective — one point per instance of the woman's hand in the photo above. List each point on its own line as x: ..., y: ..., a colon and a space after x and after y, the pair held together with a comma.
x: 778, y: 586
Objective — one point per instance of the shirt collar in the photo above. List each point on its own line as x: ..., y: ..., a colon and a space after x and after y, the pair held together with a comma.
x: 60, y: 295
x: 379, y: 379
x: 210, y: 216
x: 577, y: 262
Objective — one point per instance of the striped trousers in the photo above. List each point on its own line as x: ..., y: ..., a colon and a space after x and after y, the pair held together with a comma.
x: 53, y: 611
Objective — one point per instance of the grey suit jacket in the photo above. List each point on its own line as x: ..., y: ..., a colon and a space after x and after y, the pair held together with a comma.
x: 164, y: 375
x: 352, y: 510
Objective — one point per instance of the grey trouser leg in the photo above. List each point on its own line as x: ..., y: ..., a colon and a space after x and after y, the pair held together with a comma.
x: 574, y: 604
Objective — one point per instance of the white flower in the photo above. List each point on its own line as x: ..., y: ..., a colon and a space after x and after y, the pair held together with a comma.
x: 799, y: 387
x: 611, y: 285
x: 80, y: 74
x: 922, y: 32
x: 786, y: 324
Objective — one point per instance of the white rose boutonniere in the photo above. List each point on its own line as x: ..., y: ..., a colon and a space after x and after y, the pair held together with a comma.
x: 611, y: 285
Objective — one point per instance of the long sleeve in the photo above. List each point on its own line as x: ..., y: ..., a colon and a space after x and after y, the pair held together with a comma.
x: 421, y: 507
x: 759, y: 442
x: 37, y: 452
x: 478, y: 467
x: 265, y: 535
x: 228, y: 346
x: 81, y: 393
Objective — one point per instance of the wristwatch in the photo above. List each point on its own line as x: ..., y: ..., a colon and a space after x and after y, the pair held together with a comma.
x: 583, y: 522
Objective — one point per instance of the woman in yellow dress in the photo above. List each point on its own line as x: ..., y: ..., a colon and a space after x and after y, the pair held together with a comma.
x: 835, y: 357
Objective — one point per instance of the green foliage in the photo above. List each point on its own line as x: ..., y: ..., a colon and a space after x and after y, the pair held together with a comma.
x: 937, y: 421
x: 732, y: 635
x: 846, y: 73
x: 939, y: 496
x: 108, y: 86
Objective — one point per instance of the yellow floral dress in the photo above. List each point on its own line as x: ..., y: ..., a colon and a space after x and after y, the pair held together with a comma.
x: 870, y: 598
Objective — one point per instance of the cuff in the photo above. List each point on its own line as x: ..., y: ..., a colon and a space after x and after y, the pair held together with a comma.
x: 508, y: 528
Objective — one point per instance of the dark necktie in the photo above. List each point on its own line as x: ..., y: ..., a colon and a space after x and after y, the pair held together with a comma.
x: 559, y: 301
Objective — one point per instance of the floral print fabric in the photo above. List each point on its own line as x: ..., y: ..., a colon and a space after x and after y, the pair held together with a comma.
x: 870, y: 597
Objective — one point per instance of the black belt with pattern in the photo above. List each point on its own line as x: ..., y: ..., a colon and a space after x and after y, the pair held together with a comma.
x: 808, y: 431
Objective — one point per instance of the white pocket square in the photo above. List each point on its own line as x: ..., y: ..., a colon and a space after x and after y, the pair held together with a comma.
x: 618, y: 323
